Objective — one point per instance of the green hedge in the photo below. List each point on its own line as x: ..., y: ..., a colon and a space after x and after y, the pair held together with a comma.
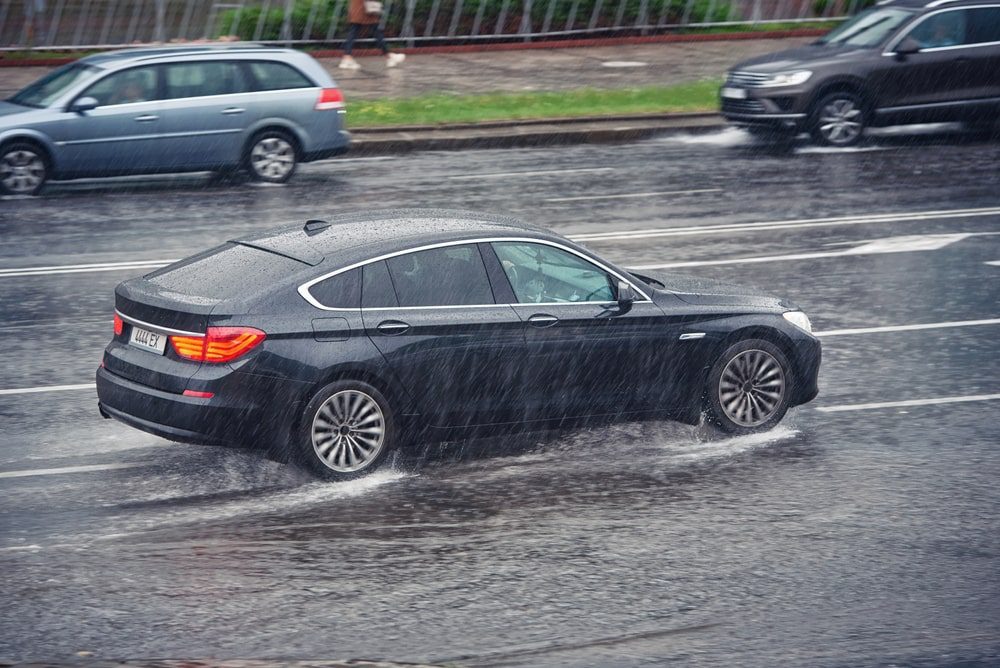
x: 244, y: 21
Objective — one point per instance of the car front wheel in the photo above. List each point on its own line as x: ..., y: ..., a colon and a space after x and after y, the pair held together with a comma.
x: 839, y: 120
x: 348, y: 429
x: 23, y: 169
x: 272, y: 157
x: 748, y: 387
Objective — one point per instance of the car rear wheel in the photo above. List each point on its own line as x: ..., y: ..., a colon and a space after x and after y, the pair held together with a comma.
x: 348, y: 430
x: 272, y: 157
x: 748, y: 387
x: 839, y: 120
x: 23, y: 169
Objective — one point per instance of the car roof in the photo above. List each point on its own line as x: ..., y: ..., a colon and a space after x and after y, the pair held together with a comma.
x: 122, y: 56
x: 349, y: 238
x: 932, y: 4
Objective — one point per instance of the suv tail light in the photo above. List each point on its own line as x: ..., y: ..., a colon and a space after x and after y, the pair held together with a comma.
x: 330, y: 98
x: 220, y: 344
x: 119, y: 325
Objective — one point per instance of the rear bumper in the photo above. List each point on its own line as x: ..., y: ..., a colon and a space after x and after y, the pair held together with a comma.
x: 338, y: 147
x: 242, y: 413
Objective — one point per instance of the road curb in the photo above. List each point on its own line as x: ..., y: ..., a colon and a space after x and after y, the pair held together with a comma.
x: 507, y: 134
x: 501, y: 46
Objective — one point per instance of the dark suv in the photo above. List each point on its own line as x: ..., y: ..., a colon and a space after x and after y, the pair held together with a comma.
x: 904, y: 61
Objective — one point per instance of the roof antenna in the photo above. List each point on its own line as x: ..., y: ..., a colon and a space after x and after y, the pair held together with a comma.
x: 314, y: 226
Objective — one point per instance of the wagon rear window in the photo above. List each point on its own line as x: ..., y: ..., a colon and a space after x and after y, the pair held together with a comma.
x: 231, y: 271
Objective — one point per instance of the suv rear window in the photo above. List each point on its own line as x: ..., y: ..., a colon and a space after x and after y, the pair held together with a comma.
x: 278, y: 76
x: 227, y: 272
x: 983, y: 25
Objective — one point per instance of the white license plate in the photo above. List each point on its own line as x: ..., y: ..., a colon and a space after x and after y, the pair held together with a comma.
x: 734, y: 93
x: 147, y: 340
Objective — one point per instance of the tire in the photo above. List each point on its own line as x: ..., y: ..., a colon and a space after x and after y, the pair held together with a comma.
x: 24, y: 168
x: 337, y: 439
x: 748, y: 387
x: 271, y: 156
x: 839, y: 120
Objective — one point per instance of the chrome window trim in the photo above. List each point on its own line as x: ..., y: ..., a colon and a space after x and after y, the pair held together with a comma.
x: 157, y: 328
x: 894, y: 42
x: 303, y: 289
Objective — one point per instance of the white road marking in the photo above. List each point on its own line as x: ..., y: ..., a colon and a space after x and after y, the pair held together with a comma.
x: 786, y: 224
x: 67, y: 469
x: 907, y: 328
x: 48, y: 388
x: 83, y: 268
x: 994, y: 263
x: 908, y: 402
x: 597, y: 236
x: 905, y: 244
x: 547, y: 172
x: 631, y: 195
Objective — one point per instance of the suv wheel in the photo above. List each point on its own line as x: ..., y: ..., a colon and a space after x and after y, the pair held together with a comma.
x: 348, y: 429
x: 23, y: 169
x: 272, y: 157
x: 748, y: 387
x: 839, y: 120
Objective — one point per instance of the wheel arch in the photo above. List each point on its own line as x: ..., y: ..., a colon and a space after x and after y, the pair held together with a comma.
x: 772, y: 335
x: 846, y: 85
x: 296, y: 134
x: 36, y: 140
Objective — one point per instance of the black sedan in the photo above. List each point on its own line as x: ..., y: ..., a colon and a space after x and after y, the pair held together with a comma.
x: 335, y: 342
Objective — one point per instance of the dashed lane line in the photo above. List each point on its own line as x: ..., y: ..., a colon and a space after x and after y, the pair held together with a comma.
x: 907, y: 328
x: 27, y: 473
x: 909, y: 402
x: 83, y: 268
x: 587, y: 198
x: 48, y: 388
x: 544, y: 172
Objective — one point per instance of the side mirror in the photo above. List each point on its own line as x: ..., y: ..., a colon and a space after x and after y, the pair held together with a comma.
x: 626, y: 294
x: 907, y: 47
x: 82, y: 104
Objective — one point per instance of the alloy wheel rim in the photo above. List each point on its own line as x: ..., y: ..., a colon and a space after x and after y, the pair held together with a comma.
x: 21, y: 171
x: 751, y: 388
x: 348, y: 431
x: 273, y: 157
x: 840, y: 121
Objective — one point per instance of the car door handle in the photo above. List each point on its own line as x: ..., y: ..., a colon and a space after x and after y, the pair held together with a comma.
x: 542, y: 320
x: 233, y: 110
x: 392, y: 327
x: 147, y: 118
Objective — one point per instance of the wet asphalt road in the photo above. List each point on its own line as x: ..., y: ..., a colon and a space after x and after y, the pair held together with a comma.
x: 855, y: 536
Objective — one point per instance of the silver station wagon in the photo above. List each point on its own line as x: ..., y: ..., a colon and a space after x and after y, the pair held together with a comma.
x: 176, y: 109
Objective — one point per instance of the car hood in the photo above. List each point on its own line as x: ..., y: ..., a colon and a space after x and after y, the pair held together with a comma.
x: 9, y: 109
x: 710, y: 292
x: 803, y: 57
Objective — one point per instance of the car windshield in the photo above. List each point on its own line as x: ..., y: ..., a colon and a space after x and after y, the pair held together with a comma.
x: 867, y: 29
x: 49, y: 88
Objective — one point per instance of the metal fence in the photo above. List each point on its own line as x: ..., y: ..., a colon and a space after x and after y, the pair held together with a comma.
x: 59, y: 24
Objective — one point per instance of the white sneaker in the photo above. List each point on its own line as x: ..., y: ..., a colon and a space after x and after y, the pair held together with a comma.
x: 348, y: 63
x: 394, y: 59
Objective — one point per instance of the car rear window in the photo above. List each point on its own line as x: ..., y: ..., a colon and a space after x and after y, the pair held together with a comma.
x: 203, y: 79
x: 451, y: 276
x: 231, y: 271
x: 278, y: 76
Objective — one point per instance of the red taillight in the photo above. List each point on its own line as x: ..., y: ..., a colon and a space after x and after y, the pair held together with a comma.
x: 198, y: 395
x: 220, y: 344
x: 119, y: 325
x: 330, y: 98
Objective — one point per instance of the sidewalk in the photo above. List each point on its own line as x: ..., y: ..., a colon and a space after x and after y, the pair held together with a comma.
x: 602, y: 67
x: 517, y: 71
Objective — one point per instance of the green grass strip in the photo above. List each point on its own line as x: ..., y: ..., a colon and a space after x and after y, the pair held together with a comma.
x: 437, y: 109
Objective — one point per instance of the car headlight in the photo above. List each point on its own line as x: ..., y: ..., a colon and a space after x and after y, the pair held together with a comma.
x: 786, y: 79
x: 799, y: 319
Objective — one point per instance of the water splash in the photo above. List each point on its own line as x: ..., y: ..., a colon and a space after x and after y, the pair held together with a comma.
x: 725, y: 138
x: 730, y: 447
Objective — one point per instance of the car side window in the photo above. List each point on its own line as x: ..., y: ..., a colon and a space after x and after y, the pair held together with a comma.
x: 376, y: 286
x: 542, y: 274
x: 277, y: 76
x: 340, y: 291
x: 126, y: 87
x: 203, y: 79
x: 940, y: 30
x: 983, y: 25
x: 448, y: 276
